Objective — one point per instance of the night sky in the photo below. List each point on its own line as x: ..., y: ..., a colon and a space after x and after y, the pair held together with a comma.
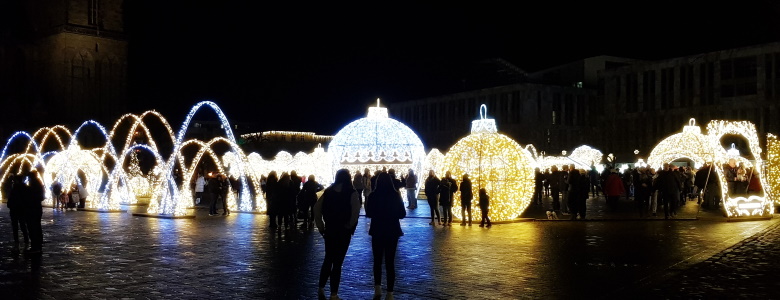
x: 317, y: 67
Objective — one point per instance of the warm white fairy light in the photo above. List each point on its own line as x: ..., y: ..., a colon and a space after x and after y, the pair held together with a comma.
x: 375, y: 142
x: 586, y: 156
x: 15, y: 163
x: 739, y: 206
x: 495, y: 162
x: 49, y: 132
x: 434, y: 161
x: 772, y: 180
x: 690, y: 144
x: 66, y: 165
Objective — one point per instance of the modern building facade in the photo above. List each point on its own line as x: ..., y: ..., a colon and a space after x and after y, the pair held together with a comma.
x: 616, y: 105
x: 640, y: 104
x: 549, y: 109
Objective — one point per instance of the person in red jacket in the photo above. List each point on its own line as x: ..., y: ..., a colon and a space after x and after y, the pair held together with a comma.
x: 613, y: 188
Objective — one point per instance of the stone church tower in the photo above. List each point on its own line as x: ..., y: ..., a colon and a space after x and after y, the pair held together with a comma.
x: 62, y: 62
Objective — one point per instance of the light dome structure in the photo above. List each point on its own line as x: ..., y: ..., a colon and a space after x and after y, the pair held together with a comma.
x: 495, y: 162
x: 690, y: 143
x: 376, y: 142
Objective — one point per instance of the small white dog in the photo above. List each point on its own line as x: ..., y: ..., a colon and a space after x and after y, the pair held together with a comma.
x: 551, y: 215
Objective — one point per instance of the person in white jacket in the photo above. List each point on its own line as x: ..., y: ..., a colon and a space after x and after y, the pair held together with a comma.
x: 83, y: 194
x: 200, y: 183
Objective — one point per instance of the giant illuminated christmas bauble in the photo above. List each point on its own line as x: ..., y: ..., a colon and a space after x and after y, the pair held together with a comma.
x: 376, y: 142
x: 495, y: 162
x: 690, y: 144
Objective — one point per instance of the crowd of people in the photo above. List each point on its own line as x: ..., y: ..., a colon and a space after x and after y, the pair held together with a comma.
x: 669, y: 187
x: 335, y: 210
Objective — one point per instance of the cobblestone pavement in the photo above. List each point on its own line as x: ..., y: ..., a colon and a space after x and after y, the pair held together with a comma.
x: 92, y: 255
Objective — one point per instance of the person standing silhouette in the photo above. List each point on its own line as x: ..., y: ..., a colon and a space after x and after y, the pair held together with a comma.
x: 466, y: 195
x: 15, y: 190
x: 410, y: 183
x: 484, y: 206
x: 215, y: 187
x: 336, y: 215
x: 33, y: 194
x: 432, y: 193
x: 385, y: 207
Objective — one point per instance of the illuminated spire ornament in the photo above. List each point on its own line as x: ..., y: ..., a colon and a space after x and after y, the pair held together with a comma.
x: 495, y: 162
x: 376, y: 142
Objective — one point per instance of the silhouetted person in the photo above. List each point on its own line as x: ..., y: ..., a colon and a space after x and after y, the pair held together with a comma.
x: 215, y: 190
x: 33, y: 195
x: 15, y: 189
x: 273, y: 207
x: 484, y: 206
x: 432, y: 193
x: 410, y: 182
x: 385, y: 207
x: 309, y: 198
x: 285, y: 199
x: 224, y: 187
x: 336, y: 215
x: 466, y: 195
x: 296, y: 183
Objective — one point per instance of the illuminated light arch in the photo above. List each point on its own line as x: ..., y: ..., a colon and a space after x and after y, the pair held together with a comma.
x: 64, y: 167
x: 20, y: 134
x: 690, y: 144
x: 317, y: 164
x: 495, y: 162
x: 772, y: 173
x: 171, y: 203
x: 17, y: 162
x: 434, y: 161
x: 164, y: 193
x: 234, y: 164
x: 47, y: 133
x: 139, y: 121
x: 19, y: 159
x: 754, y: 205
x: 117, y: 178
x: 139, y: 183
x: 376, y: 142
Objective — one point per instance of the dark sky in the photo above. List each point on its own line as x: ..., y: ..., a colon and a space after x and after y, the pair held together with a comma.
x: 317, y: 67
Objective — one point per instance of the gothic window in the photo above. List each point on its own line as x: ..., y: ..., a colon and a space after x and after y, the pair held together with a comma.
x: 93, y: 10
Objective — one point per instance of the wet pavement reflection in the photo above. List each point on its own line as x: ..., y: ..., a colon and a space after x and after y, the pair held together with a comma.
x: 118, y: 255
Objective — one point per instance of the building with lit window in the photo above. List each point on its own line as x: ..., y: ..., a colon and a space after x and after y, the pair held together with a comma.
x: 616, y: 105
x: 549, y: 109
x: 640, y: 104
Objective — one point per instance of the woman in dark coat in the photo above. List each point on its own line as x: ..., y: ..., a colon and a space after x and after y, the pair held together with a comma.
x: 336, y: 215
x: 385, y: 207
x: 285, y: 200
x: 466, y: 195
x: 270, y: 197
x: 308, y: 198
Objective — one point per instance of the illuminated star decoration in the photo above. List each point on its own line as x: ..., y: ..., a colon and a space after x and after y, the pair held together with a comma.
x: 376, y: 142
x: 495, y: 162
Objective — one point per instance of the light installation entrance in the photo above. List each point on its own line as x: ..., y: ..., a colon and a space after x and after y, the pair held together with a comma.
x: 377, y: 142
x: 495, y: 162
x: 699, y: 148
